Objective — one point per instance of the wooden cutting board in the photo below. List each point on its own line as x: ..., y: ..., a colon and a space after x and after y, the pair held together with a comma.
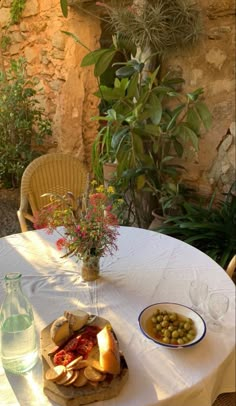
x: 70, y: 395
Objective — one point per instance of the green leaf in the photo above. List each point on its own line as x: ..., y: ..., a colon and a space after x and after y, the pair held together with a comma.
x: 104, y: 62
x: 64, y: 7
x: 204, y: 114
x: 118, y: 138
x: 173, y: 81
x: 109, y: 93
x: 152, y: 129
x: 92, y: 57
x: 193, y: 120
x: 153, y: 76
x: 187, y: 133
x: 133, y: 84
x: 76, y: 39
x: 177, y: 112
x: 140, y: 182
x: 155, y: 109
x: 125, y: 71
x: 193, y: 96
x: 178, y: 148
x: 138, y: 144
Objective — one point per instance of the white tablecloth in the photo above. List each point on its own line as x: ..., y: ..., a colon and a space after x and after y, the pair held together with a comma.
x: 147, y: 268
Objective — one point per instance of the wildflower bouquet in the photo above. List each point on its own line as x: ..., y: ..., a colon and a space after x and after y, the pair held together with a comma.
x: 90, y: 223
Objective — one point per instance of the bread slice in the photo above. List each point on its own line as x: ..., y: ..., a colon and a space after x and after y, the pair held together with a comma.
x: 109, y: 355
x: 60, y: 331
x: 77, y: 318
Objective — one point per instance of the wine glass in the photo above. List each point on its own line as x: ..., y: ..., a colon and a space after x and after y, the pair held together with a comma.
x: 218, y: 305
x: 198, y: 292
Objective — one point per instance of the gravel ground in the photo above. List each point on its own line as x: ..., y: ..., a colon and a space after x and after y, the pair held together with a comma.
x: 9, y: 204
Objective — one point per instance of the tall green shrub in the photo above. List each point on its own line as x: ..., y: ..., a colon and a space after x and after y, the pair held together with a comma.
x: 23, y: 125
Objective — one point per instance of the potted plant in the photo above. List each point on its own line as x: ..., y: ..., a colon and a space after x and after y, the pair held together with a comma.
x: 139, y: 132
x: 146, y: 129
x: 208, y: 227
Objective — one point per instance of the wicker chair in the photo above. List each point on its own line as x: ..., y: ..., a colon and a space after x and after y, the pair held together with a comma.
x: 228, y: 399
x: 51, y: 173
x: 225, y: 399
x: 231, y: 267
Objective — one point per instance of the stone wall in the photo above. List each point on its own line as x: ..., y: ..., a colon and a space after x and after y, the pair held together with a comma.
x: 55, y: 59
x: 68, y: 89
x: 211, y: 65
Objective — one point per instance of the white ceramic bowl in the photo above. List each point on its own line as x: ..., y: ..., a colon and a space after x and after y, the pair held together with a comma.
x: 182, y: 310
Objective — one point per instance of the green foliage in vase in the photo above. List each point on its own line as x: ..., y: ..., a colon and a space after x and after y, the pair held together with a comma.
x: 209, y: 227
x: 16, y: 10
x: 23, y: 125
x: 90, y: 222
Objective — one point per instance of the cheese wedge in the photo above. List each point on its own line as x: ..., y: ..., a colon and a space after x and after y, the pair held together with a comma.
x: 60, y: 330
x: 109, y: 356
x: 77, y: 318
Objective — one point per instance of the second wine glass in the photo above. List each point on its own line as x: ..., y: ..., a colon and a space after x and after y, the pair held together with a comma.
x: 218, y: 305
x: 198, y: 292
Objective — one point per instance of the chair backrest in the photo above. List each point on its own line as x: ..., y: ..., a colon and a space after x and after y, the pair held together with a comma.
x: 51, y: 173
x: 231, y: 267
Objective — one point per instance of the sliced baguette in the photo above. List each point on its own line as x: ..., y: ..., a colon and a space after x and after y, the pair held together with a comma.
x: 109, y: 356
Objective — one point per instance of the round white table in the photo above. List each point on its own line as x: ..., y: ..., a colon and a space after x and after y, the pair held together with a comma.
x: 147, y: 268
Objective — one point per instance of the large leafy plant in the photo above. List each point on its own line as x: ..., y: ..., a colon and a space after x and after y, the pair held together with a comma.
x: 146, y: 128
x: 208, y: 227
x: 23, y: 125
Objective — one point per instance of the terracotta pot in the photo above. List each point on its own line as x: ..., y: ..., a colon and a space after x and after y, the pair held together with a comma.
x: 157, y: 221
x: 109, y: 170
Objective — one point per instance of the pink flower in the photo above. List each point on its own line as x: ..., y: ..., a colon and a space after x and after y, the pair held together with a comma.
x: 60, y: 243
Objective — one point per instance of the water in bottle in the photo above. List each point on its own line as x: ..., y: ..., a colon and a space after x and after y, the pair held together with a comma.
x: 19, y: 350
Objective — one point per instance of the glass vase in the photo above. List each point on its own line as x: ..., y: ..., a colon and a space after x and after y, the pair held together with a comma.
x: 19, y: 349
x: 90, y: 268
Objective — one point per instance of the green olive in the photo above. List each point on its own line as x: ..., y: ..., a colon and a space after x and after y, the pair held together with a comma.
x: 173, y: 316
x: 167, y: 333
x: 187, y: 326
x: 190, y: 337
x: 164, y: 312
x: 166, y: 340
x: 158, y: 327
x: 165, y: 323
x: 175, y: 334
x: 159, y: 318
x: 180, y: 341
x: 181, y: 332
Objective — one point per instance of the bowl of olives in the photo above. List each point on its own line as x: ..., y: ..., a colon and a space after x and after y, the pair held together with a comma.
x: 172, y: 325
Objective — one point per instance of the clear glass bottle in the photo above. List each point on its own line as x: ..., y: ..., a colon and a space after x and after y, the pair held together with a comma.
x: 19, y: 349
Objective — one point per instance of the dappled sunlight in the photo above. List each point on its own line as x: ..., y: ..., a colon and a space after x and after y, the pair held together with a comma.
x: 35, y: 389
x: 39, y: 249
